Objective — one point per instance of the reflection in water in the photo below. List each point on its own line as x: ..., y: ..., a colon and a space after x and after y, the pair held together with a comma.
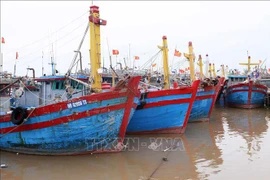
x: 234, y: 143
x: 250, y: 125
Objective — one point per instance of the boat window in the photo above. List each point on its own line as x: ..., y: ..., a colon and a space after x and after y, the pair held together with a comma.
x: 76, y: 85
x: 58, y: 85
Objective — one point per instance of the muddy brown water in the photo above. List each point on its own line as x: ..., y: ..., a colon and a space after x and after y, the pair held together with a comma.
x: 234, y: 144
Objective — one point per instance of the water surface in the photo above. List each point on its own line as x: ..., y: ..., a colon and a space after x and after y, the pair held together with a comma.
x: 235, y: 144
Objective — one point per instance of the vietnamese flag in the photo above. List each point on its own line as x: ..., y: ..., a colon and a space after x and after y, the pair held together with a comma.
x: 177, y: 53
x: 181, y: 71
x: 115, y: 52
x: 136, y: 57
x: 3, y: 40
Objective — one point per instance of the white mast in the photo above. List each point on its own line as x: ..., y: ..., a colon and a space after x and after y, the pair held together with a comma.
x: 206, y: 63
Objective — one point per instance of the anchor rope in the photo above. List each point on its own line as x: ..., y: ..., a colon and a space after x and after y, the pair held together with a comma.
x: 163, y: 159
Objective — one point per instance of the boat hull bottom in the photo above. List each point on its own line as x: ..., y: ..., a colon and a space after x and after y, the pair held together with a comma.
x: 174, y: 130
x: 244, y: 106
x: 61, y: 154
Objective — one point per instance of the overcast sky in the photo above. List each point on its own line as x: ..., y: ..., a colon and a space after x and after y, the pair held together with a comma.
x: 224, y: 30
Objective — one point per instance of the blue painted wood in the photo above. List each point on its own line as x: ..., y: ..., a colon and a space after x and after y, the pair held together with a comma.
x: 201, y: 107
x: 242, y: 98
x: 88, y: 134
x: 159, y: 117
x: 243, y: 95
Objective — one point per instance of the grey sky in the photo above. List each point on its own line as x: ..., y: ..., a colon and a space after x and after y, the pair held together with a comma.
x: 224, y: 30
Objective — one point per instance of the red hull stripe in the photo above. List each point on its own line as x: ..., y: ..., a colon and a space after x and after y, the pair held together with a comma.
x: 212, y: 96
x: 64, y: 119
x: 167, y: 102
x: 63, y: 105
x: 170, y: 92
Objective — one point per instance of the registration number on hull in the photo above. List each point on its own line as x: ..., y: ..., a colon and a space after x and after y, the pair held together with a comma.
x: 77, y: 104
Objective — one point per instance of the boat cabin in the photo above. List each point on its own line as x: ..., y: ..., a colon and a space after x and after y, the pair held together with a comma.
x: 45, y: 90
x: 235, y: 79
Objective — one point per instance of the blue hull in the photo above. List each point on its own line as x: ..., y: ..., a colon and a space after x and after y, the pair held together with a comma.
x: 88, y: 124
x: 202, y: 106
x: 164, y: 111
x: 245, y: 95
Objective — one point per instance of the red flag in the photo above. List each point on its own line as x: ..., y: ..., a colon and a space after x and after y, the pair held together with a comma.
x: 181, y: 71
x: 115, y: 52
x: 17, y: 55
x: 136, y: 57
x: 3, y: 41
x: 177, y: 53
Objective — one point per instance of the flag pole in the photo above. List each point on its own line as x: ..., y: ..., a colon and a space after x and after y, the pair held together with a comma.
x: 2, y: 58
x: 173, y: 57
x: 133, y: 64
x: 15, y: 68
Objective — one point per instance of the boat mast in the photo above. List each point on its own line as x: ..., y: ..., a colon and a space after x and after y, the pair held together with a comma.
x: 190, y: 58
x: 53, y: 64
x: 206, y: 66
x: 95, y: 54
x: 210, y: 70
x: 164, y: 49
x: 214, y: 71
x: 249, y: 64
x: 223, y: 70
x: 200, y: 64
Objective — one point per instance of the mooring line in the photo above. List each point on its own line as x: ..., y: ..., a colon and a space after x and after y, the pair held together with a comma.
x: 163, y: 159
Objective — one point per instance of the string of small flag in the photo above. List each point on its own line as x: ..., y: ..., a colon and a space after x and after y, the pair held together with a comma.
x: 116, y: 52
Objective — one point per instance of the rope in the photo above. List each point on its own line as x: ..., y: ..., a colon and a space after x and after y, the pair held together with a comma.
x: 78, y: 49
x: 150, y: 61
x: 27, y: 63
x: 163, y: 159
x: 51, y: 33
x: 20, y: 124
x: 4, y: 103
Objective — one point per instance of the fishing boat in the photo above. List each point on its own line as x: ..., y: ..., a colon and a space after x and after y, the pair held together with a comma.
x: 241, y: 94
x: 166, y: 110
x: 207, y: 92
x: 204, y: 102
x: 243, y: 91
x: 93, y: 122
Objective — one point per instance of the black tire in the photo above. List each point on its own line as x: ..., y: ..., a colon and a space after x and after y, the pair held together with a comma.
x: 18, y: 115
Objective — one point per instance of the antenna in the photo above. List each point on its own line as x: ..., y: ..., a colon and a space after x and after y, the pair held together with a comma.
x: 130, y: 61
x: 42, y: 63
x: 52, y: 62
